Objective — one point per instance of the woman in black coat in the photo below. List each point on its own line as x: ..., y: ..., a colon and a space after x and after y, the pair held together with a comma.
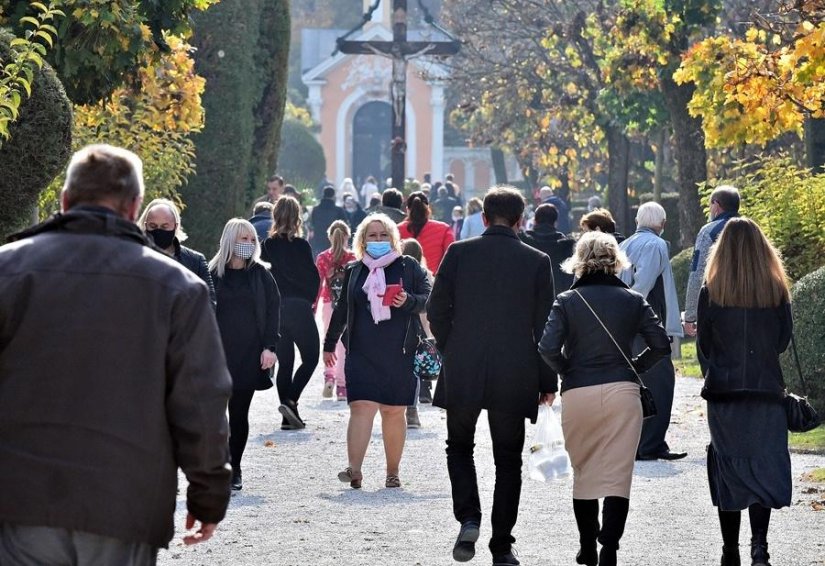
x: 248, y: 313
x: 294, y: 269
x: 744, y: 322
x: 601, y: 410
x: 381, y: 340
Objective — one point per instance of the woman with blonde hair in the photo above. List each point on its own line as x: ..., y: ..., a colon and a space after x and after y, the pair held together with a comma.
x: 744, y: 323
x: 588, y: 341
x: 331, y: 264
x: 382, y: 296
x: 298, y: 281
x: 248, y: 311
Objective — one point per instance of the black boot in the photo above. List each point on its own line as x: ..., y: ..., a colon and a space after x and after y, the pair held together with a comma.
x: 730, y: 556
x: 587, y: 520
x: 614, y: 517
x: 759, y: 549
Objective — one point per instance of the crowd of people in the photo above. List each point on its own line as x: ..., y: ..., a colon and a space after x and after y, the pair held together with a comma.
x: 161, y: 344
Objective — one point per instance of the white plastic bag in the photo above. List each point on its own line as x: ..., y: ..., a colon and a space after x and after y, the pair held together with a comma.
x: 548, y: 459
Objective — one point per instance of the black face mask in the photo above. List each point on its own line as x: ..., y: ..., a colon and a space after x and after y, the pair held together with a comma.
x: 162, y: 238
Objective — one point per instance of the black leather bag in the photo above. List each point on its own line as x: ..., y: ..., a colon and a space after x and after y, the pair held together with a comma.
x: 648, y: 404
x: 802, y: 417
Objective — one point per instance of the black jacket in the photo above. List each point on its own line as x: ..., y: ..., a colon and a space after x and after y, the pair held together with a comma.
x: 267, y: 305
x: 196, y: 263
x: 489, y: 303
x: 262, y: 222
x: 416, y: 285
x: 557, y: 246
x: 578, y: 348
x: 292, y: 266
x: 739, y: 349
x: 112, y: 375
x: 323, y: 215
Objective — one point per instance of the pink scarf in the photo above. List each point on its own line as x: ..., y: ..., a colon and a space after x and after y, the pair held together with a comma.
x: 376, y: 284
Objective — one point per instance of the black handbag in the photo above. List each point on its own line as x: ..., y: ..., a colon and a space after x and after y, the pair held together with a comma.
x: 648, y: 404
x: 801, y: 416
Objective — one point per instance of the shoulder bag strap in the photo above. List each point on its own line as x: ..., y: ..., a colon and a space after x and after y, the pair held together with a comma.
x: 629, y: 363
x: 799, y: 367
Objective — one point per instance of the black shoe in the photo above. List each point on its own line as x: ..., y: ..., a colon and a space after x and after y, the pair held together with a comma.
x: 289, y: 409
x: 285, y: 425
x: 666, y: 455
x: 237, y: 482
x: 465, y: 544
x: 607, y: 556
x: 588, y: 556
x: 759, y: 552
x: 730, y: 557
x: 505, y: 559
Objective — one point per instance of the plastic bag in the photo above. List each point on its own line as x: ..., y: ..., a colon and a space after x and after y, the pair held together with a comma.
x: 548, y: 458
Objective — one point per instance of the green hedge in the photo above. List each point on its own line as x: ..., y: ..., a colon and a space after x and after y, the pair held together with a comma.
x: 809, y: 319
x: 302, y: 161
x: 681, y: 270
x: 40, y: 145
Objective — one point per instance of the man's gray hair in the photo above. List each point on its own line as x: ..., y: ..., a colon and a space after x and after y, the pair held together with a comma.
x: 651, y: 215
x: 99, y: 173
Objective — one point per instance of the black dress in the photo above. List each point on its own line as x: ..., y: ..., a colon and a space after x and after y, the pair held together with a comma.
x: 239, y: 331
x: 377, y: 368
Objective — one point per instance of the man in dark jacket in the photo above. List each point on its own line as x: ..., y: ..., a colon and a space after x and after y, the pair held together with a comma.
x: 544, y: 237
x: 161, y: 222
x: 323, y: 215
x: 112, y: 375
x: 443, y: 205
x: 262, y: 220
x: 487, y: 311
x: 392, y: 203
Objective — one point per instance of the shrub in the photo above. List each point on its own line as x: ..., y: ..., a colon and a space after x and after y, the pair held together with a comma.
x: 681, y: 270
x: 302, y: 161
x: 809, y: 317
x: 39, y: 147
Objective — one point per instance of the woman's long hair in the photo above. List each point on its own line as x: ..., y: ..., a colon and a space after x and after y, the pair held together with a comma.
x: 744, y: 269
x: 231, y: 232
x: 286, y: 218
x: 338, y: 234
x: 418, y: 212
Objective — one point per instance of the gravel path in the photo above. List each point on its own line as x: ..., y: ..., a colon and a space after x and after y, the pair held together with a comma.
x: 294, y: 512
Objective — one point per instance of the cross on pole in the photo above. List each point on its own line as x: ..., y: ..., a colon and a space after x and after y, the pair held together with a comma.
x: 400, y: 51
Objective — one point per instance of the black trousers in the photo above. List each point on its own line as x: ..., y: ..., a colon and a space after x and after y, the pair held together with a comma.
x: 297, y: 329
x: 507, y: 433
x: 661, y: 380
x: 239, y: 424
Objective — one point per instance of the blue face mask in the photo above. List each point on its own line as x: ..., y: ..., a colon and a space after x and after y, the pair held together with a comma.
x: 378, y: 249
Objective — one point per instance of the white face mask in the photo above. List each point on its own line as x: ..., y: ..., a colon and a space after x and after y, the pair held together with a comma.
x: 244, y: 250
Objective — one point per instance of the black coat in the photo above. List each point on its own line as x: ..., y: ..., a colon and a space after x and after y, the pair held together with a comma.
x: 267, y: 305
x: 196, y: 263
x: 323, y: 215
x: 487, y: 310
x: 557, y: 246
x: 578, y: 348
x: 416, y: 285
x: 739, y: 349
x: 292, y: 266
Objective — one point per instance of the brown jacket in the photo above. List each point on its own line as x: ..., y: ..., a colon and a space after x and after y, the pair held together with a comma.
x: 112, y: 375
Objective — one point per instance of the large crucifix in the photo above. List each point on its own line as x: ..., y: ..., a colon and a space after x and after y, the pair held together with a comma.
x: 400, y: 51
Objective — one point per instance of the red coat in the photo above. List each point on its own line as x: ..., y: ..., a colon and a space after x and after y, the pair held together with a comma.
x: 435, y: 237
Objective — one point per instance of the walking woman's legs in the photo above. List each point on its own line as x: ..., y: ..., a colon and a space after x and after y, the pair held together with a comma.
x: 359, y: 431
x: 238, y: 427
x: 614, y: 517
x: 587, y: 521
x: 305, y: 334
x: 394, y: 431
x: 760, y: 520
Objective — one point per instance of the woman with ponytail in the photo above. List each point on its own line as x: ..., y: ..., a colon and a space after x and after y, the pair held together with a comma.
x: 434, y: 236
x: 248, y: 311
x: 331, y: 264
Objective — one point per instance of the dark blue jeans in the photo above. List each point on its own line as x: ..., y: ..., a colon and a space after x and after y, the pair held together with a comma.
x: 507, y: 433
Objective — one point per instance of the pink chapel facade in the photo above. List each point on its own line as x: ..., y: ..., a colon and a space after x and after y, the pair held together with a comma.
x: 349, y: 99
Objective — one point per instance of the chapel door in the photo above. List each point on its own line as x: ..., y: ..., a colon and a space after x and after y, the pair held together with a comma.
x: 371, y: 152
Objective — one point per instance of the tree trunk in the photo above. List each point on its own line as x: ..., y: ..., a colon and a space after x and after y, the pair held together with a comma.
x: 618, y: 151
x: 815, y: 144
x: 499, y: 166
x: 661, y: 138
x: 690, y: 155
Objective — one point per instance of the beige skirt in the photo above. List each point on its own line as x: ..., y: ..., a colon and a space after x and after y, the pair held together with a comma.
x: 602, y: 425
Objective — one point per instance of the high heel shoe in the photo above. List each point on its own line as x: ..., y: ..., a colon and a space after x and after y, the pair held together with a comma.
x: 354, y: 478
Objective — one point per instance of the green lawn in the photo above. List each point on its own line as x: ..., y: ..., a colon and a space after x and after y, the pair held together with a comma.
x: 812, y: 441
x: 688, y: 366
